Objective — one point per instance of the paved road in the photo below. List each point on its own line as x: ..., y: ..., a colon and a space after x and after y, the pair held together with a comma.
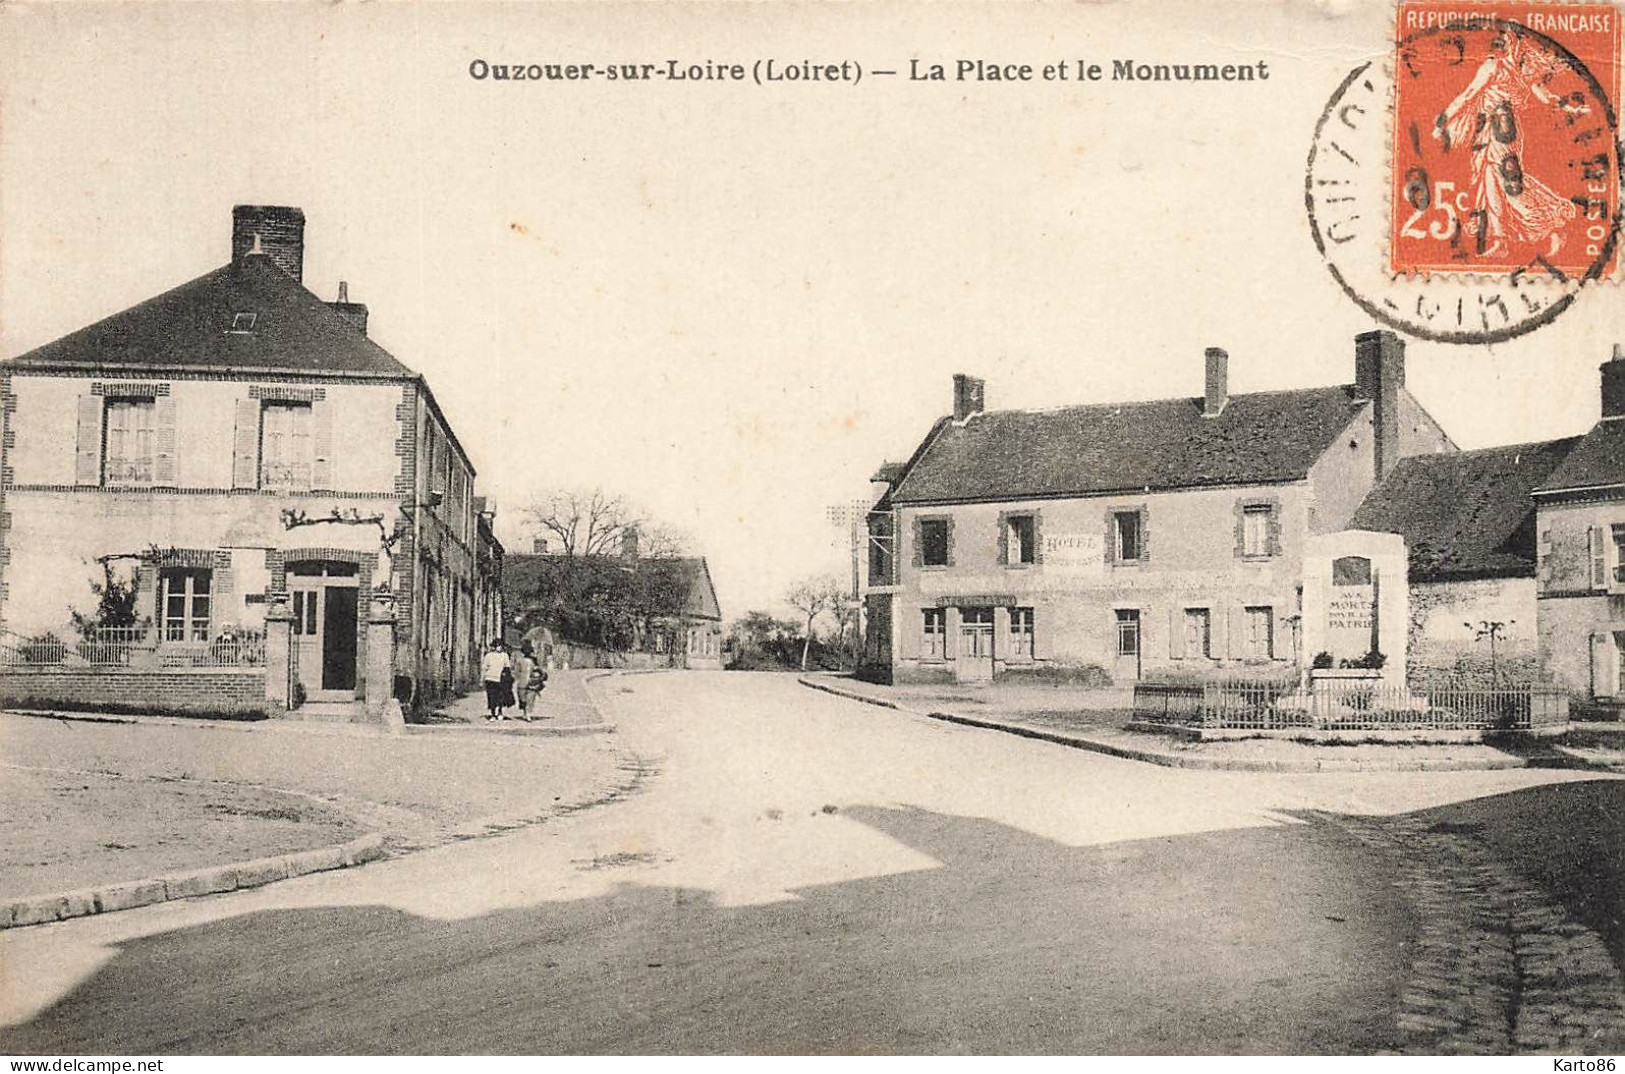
x: 801, y: 873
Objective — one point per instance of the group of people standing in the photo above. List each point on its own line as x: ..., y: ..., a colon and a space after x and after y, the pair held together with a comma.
x: 511, y: 681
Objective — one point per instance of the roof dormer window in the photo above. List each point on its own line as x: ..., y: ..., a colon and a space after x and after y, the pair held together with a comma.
x: 243, y: 323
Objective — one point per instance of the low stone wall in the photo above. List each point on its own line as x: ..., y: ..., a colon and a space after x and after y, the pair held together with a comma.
x: 236, y: 692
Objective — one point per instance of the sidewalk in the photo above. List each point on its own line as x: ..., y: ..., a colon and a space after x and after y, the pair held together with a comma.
x: 564, y: 708
x: 1094, y: 720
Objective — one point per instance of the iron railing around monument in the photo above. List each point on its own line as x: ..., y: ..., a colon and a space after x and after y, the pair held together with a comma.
x: 1347, y: 705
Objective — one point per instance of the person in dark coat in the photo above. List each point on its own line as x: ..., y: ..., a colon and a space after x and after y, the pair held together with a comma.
x: 496, y: 669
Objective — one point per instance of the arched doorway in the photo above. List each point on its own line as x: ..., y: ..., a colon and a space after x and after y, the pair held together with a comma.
x: 323, y: 597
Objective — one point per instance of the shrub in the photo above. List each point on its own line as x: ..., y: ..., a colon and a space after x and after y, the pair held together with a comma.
x: 1323, y: 660
x: 1088, y: 676
x: 44, y: 648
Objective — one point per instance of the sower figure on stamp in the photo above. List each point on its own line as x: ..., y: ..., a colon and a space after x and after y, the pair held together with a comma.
x: 1509, y: 204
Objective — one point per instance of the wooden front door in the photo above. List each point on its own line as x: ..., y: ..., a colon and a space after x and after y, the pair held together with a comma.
x: 324, y: 604
x: 1129, y: 644
x: 973, y: 657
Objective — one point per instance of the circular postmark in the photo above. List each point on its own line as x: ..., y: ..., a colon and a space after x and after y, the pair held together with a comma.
x: 1468, y: 193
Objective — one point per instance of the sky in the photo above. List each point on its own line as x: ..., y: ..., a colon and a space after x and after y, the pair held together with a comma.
x: 730, y: 302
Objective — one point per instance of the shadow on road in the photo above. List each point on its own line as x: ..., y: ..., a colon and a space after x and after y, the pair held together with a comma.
x: 1568, y: 838
x: 1282, y: 939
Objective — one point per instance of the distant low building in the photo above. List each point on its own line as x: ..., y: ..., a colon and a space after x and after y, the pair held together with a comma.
x: 627, y: 609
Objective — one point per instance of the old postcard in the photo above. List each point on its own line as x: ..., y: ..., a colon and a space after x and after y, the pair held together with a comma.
x: 796, y: 528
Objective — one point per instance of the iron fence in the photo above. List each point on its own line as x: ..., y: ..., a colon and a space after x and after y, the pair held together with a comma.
x: 134, y: 648
x: 1347, y: 705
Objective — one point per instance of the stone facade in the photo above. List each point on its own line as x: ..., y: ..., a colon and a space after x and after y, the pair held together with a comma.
x: 1450, y: 639
x: 1581, y: 595
x: 1204, y: 579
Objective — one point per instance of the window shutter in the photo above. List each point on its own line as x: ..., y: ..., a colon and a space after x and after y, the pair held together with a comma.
x: 163, y: 463
x: 1604, y: 666
x: 1241, y: 529
x: 950, y: 541
x: 1004, y: 539
x: 1274, y: 530
x: 1041, y: 632
x: 321, y: 435
x: 245, y: 447
x: 1038, y: 545
x: 1145, y: 535
x: 1599, y: 558
x: 1238, y: 632
x: 87, y: 469
x: 917, y: 546
x: 1111, y: 537
x: 1176, y: 633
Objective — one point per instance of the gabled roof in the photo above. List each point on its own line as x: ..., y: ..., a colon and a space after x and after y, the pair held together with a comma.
x: 1258, y: 438
x: 1467, y: 514
x: 1598, y: 461
x: 531, y: 578
x: 191, y: 327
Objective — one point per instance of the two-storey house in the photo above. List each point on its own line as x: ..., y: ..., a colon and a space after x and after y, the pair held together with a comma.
x: 186, y: 438
x: 1580, y: 516
x: 1125, y: 537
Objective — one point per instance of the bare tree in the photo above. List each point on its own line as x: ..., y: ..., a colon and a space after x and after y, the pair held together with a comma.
x: 586, y: 589
x: 583, y: 522
x: 592, y: 522
x: 813, y: 597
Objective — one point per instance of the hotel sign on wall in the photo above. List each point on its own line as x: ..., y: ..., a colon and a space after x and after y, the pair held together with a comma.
x: 1075, y: 553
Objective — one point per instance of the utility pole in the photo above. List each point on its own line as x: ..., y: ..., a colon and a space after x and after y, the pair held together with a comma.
x: 853, y: 517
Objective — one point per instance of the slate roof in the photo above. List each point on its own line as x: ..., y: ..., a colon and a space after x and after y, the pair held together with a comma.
x: 525, y: 576
x: 1259, y: 438
x: 190, y: 326
x: 1468, y: 514
x: 1598, y: 462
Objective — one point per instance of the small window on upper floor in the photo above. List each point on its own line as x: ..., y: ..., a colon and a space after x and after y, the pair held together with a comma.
x: 1020, y: 546
x: 129, y: 442
x: 286, y: 445
x: 934, y: 542
x: 243, y: 323
x: 1255, y: 529
x: 1126, y: 533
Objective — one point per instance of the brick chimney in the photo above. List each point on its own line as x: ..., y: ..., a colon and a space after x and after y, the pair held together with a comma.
x: 1379, y: 373
x: 1613, y: 384
x: 354, y: 312
x: 629, y: 543
x: 969, y: 393
x: 281, y: 233
x: 1218, y: 382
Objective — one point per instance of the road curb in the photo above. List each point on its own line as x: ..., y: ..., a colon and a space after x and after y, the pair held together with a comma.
x: 852, y: 695
x: 216, y: 879
x: 1172, y: 760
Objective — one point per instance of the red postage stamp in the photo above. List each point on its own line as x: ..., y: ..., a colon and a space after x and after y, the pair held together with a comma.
x: 1504, y: 129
